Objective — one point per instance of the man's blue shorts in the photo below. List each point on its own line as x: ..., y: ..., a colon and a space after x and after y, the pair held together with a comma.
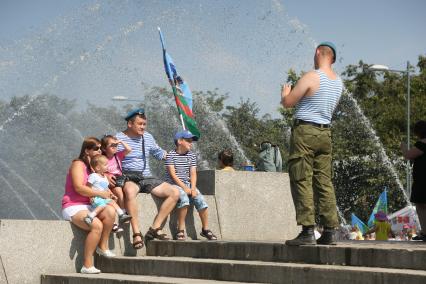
x: 185, y: 200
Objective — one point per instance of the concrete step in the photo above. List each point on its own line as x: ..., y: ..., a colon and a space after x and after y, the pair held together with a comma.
x: 257, y: 271
x: 401, y: 255
x: 109, y: 278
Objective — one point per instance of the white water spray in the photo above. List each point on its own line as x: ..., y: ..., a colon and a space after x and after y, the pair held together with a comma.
x: 43, y: 201
x: 70, y: 65
x: 379, y: 145
x: 19, y: 197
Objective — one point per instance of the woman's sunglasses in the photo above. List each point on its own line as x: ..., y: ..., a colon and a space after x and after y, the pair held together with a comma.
x: 95, y: 148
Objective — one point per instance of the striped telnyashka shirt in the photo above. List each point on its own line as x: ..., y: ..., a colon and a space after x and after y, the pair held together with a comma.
x: 320, y: 106
x: 134, y: 161
x: 182, y: 164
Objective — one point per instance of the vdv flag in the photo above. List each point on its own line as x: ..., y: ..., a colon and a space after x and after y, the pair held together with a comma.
x: 181, y: 91
x: 355, y: 221
x: 381, y: 205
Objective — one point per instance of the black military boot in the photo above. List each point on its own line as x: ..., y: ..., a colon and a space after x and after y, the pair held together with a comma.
x: 306, y: 237
x: 328, y: 237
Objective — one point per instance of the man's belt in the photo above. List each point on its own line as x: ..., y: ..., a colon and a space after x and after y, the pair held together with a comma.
x: 301, y: 122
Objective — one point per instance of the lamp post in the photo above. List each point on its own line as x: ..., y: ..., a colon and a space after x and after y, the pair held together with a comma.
x: 377, y: 67
x: 125, y: 99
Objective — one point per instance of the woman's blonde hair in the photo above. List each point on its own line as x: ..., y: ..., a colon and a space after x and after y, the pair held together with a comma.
x: 98, y: 160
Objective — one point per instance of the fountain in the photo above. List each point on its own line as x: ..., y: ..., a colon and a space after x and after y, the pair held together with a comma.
x: 356, y: 163
x: 383, y: 156
x: 72, y: 69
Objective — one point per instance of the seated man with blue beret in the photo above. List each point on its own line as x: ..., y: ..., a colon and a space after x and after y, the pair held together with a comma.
x: 135, y: 167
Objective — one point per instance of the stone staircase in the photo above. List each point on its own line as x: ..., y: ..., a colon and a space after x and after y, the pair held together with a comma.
x: 261, y: 262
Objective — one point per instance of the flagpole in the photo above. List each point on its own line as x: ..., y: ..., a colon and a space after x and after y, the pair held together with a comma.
x: 181, y: 120
x: 175, y: 95
x: 171, y: 81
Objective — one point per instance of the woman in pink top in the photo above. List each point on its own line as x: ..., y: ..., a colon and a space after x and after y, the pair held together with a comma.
x: 76, y: 205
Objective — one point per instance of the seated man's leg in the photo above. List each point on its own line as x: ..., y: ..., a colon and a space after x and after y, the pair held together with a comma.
x: 171, y: 196
x: 130, y: 193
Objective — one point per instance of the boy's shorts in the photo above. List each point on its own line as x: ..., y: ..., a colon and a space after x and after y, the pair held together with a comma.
x: 146, y: 184
x: 185, y: 200
x: 99, y: 201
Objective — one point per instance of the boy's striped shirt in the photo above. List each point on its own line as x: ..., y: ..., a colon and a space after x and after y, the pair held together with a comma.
x: 182, y: 164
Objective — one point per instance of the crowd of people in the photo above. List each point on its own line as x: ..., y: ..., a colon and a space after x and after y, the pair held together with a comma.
x: 353, y: 233
x: 104, y: 180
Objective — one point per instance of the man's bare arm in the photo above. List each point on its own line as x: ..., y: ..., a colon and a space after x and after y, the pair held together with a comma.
x: 305, y: 86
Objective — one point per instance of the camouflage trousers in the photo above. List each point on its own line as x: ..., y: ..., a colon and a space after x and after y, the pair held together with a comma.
x: 310, y: 175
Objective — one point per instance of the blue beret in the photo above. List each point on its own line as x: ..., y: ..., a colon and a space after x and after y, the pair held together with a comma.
x: 134, y: 112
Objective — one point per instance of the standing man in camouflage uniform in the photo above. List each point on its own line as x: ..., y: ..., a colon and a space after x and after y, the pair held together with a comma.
x: 315, y: 97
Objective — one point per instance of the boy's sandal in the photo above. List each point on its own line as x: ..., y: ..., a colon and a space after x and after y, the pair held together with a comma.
x: 180, y: 235
x: 208, y: 235
x: 153, y: 234
x: 137, y: 244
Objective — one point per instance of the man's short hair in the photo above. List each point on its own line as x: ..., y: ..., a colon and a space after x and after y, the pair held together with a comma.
x: 328, y: 48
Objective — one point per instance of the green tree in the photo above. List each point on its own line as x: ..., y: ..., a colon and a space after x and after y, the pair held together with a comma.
x: 214, y: 99
x: 244, y: 125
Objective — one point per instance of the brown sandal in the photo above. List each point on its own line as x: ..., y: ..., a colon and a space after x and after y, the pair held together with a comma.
x: 208, y: 235
x: 180, y: 235
x: 153, y: 234
x: 137, y: 244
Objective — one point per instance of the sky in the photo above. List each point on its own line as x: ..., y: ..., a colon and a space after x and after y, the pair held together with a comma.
x: 388, y: 32
x: 91, y: 50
